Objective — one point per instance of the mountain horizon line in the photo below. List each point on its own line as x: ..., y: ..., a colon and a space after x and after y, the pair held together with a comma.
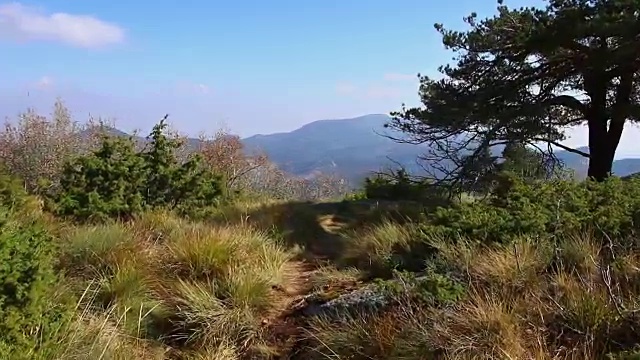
x: 354, y: 148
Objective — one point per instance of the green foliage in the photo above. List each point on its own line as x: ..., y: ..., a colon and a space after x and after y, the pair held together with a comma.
x: 526, y: 162
x: 400, y: 186
x: 430, y: 288
x: 107, y: 183
x: 556, y: 207
x: 514, y: 73
x: 28, y: 315
x: 625, y: 355
x: 12, y: 192
x: 356, y: 196
x: 481, y: 170
x: 115, y: 181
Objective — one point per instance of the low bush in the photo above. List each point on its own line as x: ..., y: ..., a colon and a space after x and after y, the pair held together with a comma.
x: 31, y: 312
x: 116, y: 181
x: 556, y: 207
x: 400, y: 186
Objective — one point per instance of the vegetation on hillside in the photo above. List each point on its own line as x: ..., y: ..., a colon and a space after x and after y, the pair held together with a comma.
x: 116, y: 249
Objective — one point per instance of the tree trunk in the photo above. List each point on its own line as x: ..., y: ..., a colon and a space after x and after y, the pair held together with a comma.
x: 600, y: 163
x: 600, y: 148
x: 603, y: 144
x: 606, y: 123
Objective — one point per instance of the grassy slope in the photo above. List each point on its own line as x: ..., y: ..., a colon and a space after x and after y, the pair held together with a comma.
x: 165, y: 288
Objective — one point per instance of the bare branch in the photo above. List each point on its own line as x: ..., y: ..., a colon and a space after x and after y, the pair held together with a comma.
x: 563, y: 147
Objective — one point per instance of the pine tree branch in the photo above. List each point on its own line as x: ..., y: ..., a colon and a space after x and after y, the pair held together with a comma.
x: 564, y: 147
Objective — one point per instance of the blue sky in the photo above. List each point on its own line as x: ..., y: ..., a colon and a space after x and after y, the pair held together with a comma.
x: 251, y: 66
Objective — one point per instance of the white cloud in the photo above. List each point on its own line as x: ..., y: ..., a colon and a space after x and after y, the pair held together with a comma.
x: 382, y: 92
x: 367, y: 92
x: 400, y: 77
x: 346, y: 88
x: 188, y: 87
x: 24, y: 23
x: 44, y: 82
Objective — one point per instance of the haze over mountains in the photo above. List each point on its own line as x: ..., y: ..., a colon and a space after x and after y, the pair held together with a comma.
x: 354, y: 148
x: 351, y: 148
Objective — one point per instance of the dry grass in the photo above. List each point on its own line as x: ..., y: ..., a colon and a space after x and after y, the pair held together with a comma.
x: 99, y: 334
x: 163, y: 287
x: 522, y: 303
x: 198, y: 287
x: 376, y: 243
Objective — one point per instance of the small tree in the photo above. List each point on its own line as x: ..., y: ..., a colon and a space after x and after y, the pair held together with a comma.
x: 482, y: 171
x: 116, y: 181
x: 35, y: 148
x: 527, y: 163
x: 528, y: 74
x: 225, y: 154
x: 107, y: 183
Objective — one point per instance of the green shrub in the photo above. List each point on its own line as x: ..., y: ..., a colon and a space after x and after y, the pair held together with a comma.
x: 431, y: 288
x: 115, y: 181
x: 104, y: 184
x: 28, y: 315
x: 400, y: 186
x: 556, y: 207
x: 12, y: 192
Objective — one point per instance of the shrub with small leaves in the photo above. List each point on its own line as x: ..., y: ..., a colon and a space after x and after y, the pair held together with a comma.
x: 12, y: 192
x: 28, y: 315
x: 429, y: 288
x: 27, y: 281
x: 556, y: 207
x: 116, y: 181
x: 104, y: 184
x: 35, y: 147
x: 187, y: 186
x: 400, y: 186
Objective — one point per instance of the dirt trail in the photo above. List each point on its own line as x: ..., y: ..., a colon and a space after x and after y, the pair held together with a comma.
x: 319, y: 228
x: 282, y: 330
x: 284, y: 324
x: 297, y: 283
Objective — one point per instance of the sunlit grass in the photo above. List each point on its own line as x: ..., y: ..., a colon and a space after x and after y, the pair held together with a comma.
x: 100, y: 246
x: 207, y: 320
x: 202, y: 290
x: 381, y: 247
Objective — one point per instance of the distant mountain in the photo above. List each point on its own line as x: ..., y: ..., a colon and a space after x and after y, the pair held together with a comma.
x: 354, y: 148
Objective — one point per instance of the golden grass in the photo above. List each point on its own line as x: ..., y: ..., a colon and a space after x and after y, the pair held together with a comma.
x: 165, y: 287
x: 330, y: 277
x: 200, y: 287
x: 376, y: 245
x: 209, y: 251
x: 357, y: 336
x: 101, y: 246
x: 98, y: 334
x: 208, y: 320
x: 519, y: 305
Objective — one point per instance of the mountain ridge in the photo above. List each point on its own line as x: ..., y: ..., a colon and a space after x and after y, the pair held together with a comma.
x: 355, y: 147
x: 366, y: 151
